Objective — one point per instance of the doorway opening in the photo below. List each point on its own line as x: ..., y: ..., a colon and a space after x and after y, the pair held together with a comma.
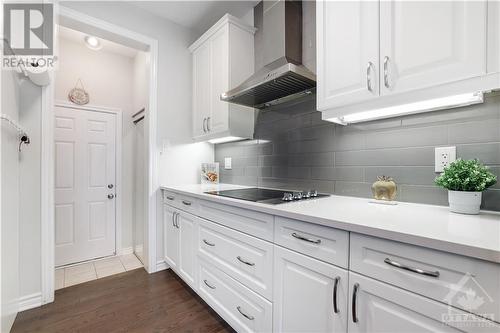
x: 102, y: 162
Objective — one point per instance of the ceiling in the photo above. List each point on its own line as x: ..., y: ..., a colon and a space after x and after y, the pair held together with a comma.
x: 107, y: 46
x: 196, y: 15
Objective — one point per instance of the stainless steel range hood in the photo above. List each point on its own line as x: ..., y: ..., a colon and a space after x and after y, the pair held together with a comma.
x: 283, y: 78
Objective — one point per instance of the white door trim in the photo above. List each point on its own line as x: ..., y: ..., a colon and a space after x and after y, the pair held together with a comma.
x: 118, y: 161
x: 47, y: 155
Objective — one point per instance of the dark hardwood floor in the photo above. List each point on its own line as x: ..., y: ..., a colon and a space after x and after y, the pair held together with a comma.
x: 129, y: 302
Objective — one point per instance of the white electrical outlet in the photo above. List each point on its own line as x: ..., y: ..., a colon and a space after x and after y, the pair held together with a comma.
x: 443, y: 156
x: 227, y: 163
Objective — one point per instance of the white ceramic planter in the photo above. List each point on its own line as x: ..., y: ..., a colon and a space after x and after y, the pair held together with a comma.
x: 465, y: 202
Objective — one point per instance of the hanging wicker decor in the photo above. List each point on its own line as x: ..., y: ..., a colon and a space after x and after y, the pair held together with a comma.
x: 79, y: 95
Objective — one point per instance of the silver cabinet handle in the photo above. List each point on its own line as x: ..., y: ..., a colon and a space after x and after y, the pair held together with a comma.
x: 245, y: 262
x: 411, y: 269
x: 111, y: 196
x: 335, y: 290
x: 244, y: 314
x: 187, y: 203
x: 177, y: 220
x: 354, y: 303
x: 110, y: 186
x: 208, y: 284
x: 369, y: 67
x: 317, y: 241
x: 204, y: 124
x: 386, y: 72
x: 173, y: 219
x: 208, y: 243
x: 170, y: 197
x: 208, y: 124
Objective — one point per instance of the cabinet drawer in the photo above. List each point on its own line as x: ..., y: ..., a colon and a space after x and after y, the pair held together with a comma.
x: 247, y: 259
x: 324, y: 243
x: 466, y: 283
x: 248, y: 221
x: 243, y: 309
x: 180, y: 201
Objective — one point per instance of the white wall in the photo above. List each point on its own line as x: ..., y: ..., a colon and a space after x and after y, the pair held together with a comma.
x: 108, y: 78
x: 9, y: 165
x: 141, y: 100
x: 29, y: 190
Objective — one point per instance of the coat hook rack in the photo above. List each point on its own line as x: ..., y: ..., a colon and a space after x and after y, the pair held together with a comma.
x: 23, y: 136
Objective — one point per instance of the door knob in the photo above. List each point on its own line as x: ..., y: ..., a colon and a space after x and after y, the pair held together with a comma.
x: 111, y: 196
x: 110, y: 186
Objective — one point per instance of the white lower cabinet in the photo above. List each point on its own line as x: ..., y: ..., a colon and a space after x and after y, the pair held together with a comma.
x: 243, y: 309
x: 171, y: 236
x: 180, y: 247
x: 309, y: 295
x: 260, y: 281
x: 378, y: 307
x: 187, y: 225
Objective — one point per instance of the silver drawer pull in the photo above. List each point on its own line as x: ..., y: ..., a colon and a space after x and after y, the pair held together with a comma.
x: 317, y: 241
x: 170, y: 197
x: 244, y: 314
x: 245, y: 262
x: 209, y: 285
x: 411, y: 269
x: 208, y: 243
x: 187, y: 203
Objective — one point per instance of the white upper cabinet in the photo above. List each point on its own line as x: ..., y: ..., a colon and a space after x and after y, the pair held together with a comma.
x: 493, y: 65
x: 201, y: 95
x: 347, y: 51
x: 223, y: 58
x: 428, y: 43
x: 381, y: 54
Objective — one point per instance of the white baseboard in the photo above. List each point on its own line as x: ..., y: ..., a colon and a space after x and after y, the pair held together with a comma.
x: 125, y: 250
x: 161, y: 265
x: 30, y: 301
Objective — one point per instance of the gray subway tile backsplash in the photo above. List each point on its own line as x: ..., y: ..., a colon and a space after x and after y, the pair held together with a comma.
x: 295, y: 149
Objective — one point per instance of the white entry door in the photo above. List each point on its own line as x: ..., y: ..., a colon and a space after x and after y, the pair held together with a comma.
x: 85, y: 183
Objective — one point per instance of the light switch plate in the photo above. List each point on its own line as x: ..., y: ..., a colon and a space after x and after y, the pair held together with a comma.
x: 227, y: 163
x: 443, y: 156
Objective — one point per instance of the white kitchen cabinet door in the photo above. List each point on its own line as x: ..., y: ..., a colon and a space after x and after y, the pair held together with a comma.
x: 429, y: 43
x: 309, y: 295
x: 171, y: 236
x: 378, y: 307
x: 493, y: 37
x: 187, y: 225
x: 347, y: 52
x: 218, y: 119
x: 222, y: 59
x: 201, y: 89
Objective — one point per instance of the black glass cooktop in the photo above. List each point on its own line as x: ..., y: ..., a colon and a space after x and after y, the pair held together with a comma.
x: 269, y: 196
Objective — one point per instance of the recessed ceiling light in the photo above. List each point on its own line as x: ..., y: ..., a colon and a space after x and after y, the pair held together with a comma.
x: 93, y: 42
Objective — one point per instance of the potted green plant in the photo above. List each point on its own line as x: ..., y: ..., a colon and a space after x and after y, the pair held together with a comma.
x: 465, y: 181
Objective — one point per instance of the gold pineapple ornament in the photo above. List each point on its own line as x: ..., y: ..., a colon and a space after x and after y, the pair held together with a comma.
x: 384, y: 188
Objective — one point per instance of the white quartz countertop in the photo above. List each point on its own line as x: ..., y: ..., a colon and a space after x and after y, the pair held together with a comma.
x: 430, y: 226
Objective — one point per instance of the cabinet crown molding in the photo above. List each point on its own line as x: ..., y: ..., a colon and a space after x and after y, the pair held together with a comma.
x: 226, y: 19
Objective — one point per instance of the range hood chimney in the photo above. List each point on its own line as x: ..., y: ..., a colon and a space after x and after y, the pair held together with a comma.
x: 283, y: 77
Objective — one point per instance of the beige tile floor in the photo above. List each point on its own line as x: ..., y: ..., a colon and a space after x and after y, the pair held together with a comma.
x: 96, y: 269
